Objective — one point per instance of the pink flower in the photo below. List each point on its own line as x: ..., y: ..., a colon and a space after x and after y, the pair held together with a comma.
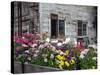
x: 30, y: 43
x: 25, y: 40
x: 41, y: 46
x: 19, y: 40
x: 27, y: 34
x: 34, y: 45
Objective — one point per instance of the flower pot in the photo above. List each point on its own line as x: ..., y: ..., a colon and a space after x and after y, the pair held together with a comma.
x: 32, y: 68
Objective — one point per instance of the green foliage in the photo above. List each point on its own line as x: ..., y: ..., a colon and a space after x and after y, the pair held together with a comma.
x: 87, y: 62
x: 20, y: 58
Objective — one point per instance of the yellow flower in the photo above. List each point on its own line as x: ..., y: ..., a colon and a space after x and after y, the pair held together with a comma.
x: 57, y: 51
x: 60, y: 57
x: 67, y: 64
x: 61, y: 64
x: 72, y: 61
x: 67, y: 52
x: 57, y: 61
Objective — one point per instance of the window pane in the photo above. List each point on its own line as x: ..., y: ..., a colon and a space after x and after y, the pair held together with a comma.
x: 79, y: 28
x: 84, y: 29
x: 79, y: 24
x: 79, y: 32
x: 84, y: 32
x: 84, y: 26
x: 61, y: 27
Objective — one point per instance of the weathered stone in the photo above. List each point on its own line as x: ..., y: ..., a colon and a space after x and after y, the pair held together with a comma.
x: 32, y: 68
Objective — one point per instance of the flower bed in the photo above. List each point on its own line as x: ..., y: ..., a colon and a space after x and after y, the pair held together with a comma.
x: 30, y: 49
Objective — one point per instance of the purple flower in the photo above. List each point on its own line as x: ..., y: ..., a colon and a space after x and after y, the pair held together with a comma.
x: 68, y: 58
x: 70, y: 50
x: 57, y: 48
x: 70, y: 53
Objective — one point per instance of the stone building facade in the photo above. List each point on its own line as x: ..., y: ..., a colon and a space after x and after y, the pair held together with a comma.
x: 73, y: 21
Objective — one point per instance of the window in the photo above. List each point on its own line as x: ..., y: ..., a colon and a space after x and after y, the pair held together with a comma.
x: 82, y: 28
x: 57, y: 26
x: 61, y: 27
x: 54, y: 25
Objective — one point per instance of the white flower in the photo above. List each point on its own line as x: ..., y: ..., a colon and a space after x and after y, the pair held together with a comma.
x: 59, y: 44
x: 47, y: 40
x: 56, y: 51
x: 84, y: 52
x: 53, y: 48
x: 75, y: 42
x: 46, y: 44
x: 57, y: 61
x: 26, y: 63
x: 82, y: 56
x: 67, y: 40
x: 26, y: 51
x: 24, y: 45
x: 45, y: 60
x: 29, y: 58
x: 37, y: 51
x: 34, y: 45
x: 44, y: 55
x: 54, y: 41
x: 62, y: 53
x: 87, y: 50
x: 51, y: 56
x: 94, y: 58
x: 41, y: 46
x: 93, y: 67
x: 64, y: 42
x: 93, y: 46
x: 23, y: 37
x: 35, y: 55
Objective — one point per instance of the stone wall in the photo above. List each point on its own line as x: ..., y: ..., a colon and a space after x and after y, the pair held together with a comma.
x: 32, y: 68
x: 36, y: 17
x: 69, y: 13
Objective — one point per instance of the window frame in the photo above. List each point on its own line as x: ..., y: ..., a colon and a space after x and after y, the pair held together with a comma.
x: 82, y: 28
